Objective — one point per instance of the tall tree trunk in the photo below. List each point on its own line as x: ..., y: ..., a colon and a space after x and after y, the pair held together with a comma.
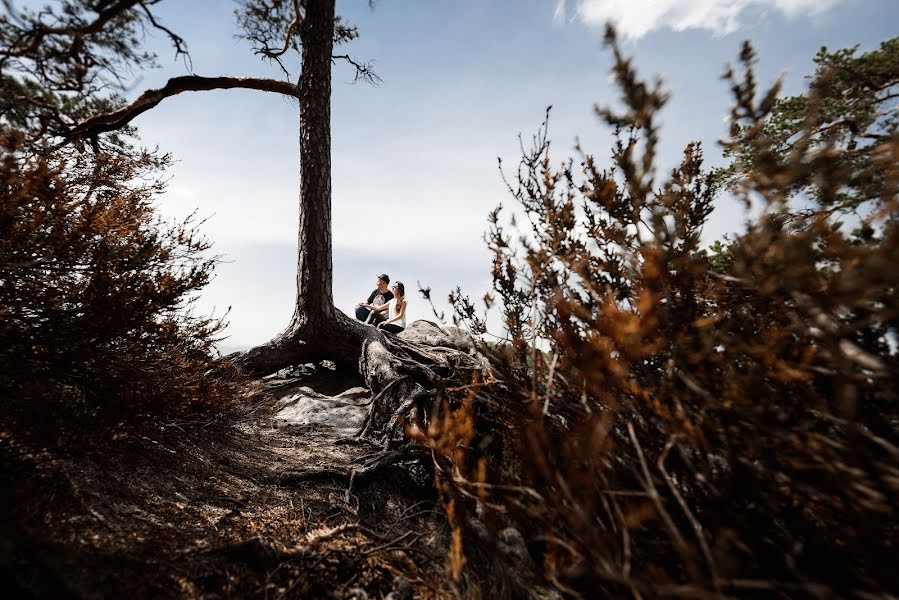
x: 317, y: 329
x: 315, y: 301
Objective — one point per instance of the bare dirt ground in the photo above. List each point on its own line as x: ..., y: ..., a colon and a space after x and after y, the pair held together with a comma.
x: 244, y: 505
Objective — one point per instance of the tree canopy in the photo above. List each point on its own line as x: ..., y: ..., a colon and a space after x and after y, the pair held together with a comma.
x: 851, y: 106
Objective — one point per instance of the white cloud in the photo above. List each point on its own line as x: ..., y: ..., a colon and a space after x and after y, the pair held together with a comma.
x: 636, y: 18
x: 560, y: 12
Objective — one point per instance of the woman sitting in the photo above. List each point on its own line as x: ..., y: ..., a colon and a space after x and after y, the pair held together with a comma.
x: 396, y: 309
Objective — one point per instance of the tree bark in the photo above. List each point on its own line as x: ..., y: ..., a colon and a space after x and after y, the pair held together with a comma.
x: 317, y: 329
x: 314, y: 300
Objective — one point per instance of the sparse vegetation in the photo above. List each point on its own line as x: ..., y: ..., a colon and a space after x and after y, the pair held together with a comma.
x: 665, y: 421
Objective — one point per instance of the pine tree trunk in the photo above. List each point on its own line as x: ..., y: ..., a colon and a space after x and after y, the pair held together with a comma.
x: 314, y: 301
x: 317, y: 330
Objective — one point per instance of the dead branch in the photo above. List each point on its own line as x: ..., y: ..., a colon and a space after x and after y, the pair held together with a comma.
x: 675, y: 533
x: 177, y: 41
x: 364, y: 71
x: 697, y: 528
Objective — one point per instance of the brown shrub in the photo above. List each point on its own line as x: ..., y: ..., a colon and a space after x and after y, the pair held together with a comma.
x: 95, y: 291
x: 669, y: 423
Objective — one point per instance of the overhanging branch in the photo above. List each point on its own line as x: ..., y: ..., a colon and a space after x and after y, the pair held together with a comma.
x: 188, y: 83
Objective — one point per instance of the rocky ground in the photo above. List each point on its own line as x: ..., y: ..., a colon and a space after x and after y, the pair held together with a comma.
x: 277, y: 500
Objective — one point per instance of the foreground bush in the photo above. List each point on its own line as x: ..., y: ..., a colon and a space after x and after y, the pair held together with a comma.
x: 666, y: 422
x: 95, y: 290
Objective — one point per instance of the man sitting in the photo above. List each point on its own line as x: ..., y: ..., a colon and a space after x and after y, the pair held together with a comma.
x: 380, y: 296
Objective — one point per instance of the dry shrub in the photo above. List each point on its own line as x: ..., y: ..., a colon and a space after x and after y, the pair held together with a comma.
x: 670, y: 422
x: 95, y: 292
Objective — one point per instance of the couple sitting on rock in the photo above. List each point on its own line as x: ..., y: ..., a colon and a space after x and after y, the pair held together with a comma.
x: 382, y: 300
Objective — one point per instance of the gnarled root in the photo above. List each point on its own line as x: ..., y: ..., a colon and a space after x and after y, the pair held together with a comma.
x: 335, y: 337
x: 405, y: 373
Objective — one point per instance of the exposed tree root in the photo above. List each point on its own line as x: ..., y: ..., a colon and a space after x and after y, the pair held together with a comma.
x: 405, y: 373
x: 370, y: 465
x: 333, y: 337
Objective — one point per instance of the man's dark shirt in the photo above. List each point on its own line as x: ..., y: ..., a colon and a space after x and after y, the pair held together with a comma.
x: 377, y: 298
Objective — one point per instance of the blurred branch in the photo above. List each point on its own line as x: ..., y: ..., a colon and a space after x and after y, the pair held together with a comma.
x: 177, y: 41
x: 31, y: 39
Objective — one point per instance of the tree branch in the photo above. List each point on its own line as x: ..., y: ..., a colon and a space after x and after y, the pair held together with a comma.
x: 296, y: 23
x: 188, y: 83
x: 364, y: 71
x: 177, y: 41
x: 30, y: 40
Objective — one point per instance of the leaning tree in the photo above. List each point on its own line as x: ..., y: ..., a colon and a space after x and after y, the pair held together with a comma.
x: 77, y: 48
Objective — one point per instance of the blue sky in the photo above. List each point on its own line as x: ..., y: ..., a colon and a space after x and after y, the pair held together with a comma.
x: 414, y: 160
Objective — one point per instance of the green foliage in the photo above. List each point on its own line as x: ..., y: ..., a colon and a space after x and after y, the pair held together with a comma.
x: 274, y: 27
x: 666, y: 421
x: 720, y: 256
x: 69, y: 60
x: 850, y: 106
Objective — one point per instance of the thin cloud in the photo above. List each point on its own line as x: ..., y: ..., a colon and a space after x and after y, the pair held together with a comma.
x: 636, y: 18
x: 560, y: 12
